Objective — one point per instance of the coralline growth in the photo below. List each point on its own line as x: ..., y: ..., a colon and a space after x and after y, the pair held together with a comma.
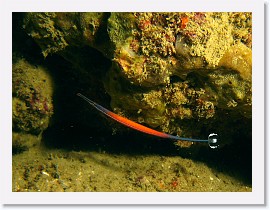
x: 178, y: 72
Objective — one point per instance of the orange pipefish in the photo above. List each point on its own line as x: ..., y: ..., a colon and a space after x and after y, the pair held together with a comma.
x: 212, y: 138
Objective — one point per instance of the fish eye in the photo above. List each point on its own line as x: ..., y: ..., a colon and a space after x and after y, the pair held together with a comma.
x: 213, y: 141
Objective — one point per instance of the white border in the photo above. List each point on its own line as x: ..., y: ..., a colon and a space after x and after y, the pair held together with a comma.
x: 255, y: 197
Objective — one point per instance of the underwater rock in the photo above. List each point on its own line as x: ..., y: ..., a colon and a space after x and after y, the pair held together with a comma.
x: 23, y: 141
x: 206, y: 35
x: 150, y: 47
x: 229, y: 91
x: 207, y: 52
x: 32, y: 105
x: 55, y: 31
x: 142, y: 49
x: 239, y: 58
x: 175, y: 72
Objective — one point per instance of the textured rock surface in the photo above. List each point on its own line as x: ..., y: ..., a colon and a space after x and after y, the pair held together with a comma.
x: 186, y: 74
x: 54, y: 32
x: 180, y: 66
x: 32, y: 97
x: 170, y: 70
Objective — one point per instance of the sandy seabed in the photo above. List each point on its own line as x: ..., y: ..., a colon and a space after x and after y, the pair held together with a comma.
x: 102, y: 170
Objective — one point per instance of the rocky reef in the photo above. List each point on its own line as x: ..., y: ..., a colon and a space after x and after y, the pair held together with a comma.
x: 182, y: 69
x: 32, y: 105
x: 32, y: 97
x: 186, y: 74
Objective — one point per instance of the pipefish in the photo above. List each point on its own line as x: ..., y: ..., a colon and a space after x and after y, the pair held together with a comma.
x: 212, y: 138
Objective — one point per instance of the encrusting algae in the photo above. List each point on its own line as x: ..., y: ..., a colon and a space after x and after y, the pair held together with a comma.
x: 55, y: 31
x: 205, y: 52
x: 32, y: 105
x: 32, y: 97
x: 187, y: 74
x: 167, y: 68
